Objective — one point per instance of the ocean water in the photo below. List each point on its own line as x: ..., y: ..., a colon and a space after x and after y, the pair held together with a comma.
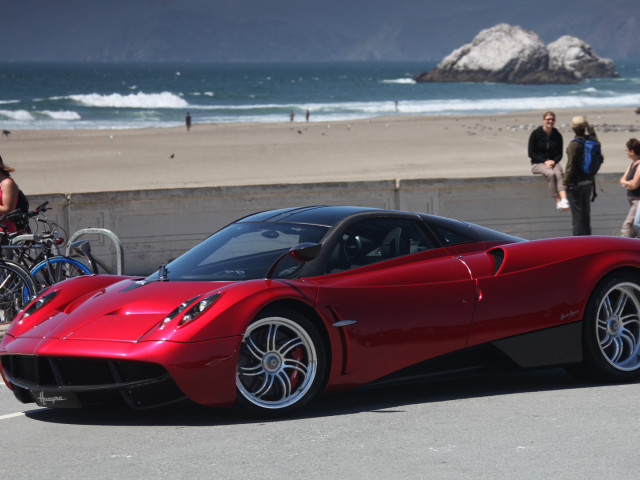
x: 118, y: 96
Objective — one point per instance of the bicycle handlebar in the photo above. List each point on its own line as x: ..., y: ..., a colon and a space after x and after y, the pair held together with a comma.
x: 17, y: 215
x: 40, y: 208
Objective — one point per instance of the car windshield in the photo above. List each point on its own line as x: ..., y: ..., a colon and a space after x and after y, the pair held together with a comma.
x: 242, y: 251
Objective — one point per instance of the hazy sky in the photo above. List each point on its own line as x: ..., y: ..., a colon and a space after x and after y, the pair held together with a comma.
x: 294, y: 29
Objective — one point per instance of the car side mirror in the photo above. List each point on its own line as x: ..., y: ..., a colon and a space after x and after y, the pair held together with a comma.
x: 303, y: 252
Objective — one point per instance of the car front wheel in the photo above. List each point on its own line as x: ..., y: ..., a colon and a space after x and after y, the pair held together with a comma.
x: 612, y: 329
x: 281, y: 363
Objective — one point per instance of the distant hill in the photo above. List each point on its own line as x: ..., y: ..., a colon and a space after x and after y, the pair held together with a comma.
x: 300, y: 30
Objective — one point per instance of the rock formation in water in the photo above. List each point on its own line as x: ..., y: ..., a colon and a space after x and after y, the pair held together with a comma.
x: 510, y: 54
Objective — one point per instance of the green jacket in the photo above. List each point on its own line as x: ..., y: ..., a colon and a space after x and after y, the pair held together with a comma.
x: 572, y: 173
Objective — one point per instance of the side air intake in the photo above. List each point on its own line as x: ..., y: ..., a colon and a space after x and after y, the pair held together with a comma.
x: 498, y: 258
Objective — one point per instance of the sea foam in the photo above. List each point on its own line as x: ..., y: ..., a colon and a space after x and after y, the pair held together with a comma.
x: 20, y: 115
x: 62, y: 115
x: 134, y: 100
x: 401, y: 81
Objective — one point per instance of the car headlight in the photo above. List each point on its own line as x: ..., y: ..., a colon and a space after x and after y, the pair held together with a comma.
x: 194, y: 309
x: 199, y: 307
x: 38, y: 303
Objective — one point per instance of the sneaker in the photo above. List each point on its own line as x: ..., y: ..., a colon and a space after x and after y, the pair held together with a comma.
x: 563, y: 204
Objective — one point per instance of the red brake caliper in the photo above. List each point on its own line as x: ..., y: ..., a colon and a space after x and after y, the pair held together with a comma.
x: 294, y: 376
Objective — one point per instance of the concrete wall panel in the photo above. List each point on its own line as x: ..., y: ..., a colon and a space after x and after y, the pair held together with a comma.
x: 155, y: 226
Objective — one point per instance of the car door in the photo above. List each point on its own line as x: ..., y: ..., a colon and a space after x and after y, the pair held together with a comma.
x: 522, y: 300
x: 395, y: 311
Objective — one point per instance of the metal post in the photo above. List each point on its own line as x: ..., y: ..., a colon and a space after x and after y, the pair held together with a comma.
x: 108, y: 233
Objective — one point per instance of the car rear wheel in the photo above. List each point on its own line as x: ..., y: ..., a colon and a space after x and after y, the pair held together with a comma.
x: 281, y: 363
x: 612, y: 329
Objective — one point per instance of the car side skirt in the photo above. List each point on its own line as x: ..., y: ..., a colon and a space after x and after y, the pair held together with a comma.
x: 551, y: 347
x: 561, y: 345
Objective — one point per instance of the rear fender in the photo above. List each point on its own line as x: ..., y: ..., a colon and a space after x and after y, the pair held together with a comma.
x: 532, y: 290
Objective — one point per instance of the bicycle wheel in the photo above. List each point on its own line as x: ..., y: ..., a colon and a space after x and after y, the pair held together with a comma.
x: 101, y: 267
x: 57, y: 269
x: 17, y: 288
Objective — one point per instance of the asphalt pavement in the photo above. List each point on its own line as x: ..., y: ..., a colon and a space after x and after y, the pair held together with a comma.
x: 530, y: 425
x: 542, y: 424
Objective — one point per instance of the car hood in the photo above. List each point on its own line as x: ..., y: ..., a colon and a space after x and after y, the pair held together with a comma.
x: 124, y: 311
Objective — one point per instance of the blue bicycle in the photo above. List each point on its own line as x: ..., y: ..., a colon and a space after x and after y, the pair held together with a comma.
x: 56, y: 269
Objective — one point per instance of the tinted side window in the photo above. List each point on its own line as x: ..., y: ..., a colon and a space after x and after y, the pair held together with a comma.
x: 450, y: 237
x: 452, y: 233
x: 375, y: 240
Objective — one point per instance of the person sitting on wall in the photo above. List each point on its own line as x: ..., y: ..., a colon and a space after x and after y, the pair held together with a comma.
x: 545, y: 152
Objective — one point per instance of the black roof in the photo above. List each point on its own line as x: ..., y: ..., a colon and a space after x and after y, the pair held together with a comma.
x: 316, y: 215
x: 332, y: 216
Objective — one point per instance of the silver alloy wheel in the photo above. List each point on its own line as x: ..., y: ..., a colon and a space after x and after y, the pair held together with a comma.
x: 618, y: 326
x: 277, y: 363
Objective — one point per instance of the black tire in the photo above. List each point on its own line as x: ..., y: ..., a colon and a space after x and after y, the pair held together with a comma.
x: 282, y: 363
x: 17, y: 288
x: 611, y: 330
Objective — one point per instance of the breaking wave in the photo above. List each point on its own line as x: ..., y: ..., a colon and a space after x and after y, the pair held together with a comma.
x: 63, y: 115
x: 133, y: 100
x: 401, y: 81
x: 19, y: 115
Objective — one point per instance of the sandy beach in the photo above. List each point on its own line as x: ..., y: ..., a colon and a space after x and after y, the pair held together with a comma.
x: 73, y: 161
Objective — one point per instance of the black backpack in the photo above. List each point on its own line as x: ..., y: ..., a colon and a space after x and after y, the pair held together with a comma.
x: 23, y: 206
x: 23, y: 202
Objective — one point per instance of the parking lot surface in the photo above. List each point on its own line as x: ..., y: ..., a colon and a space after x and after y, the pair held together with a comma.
x: 528, y: 426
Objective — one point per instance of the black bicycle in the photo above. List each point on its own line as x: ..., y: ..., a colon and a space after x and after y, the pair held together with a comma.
x: 17, y: 285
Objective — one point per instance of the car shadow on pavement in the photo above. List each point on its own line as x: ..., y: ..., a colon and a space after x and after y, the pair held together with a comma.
x: 387, y: 399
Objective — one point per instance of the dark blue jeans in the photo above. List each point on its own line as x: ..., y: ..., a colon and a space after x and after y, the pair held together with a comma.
x: 579, y: 196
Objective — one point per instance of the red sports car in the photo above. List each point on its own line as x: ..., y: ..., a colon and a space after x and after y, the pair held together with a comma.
x: 282, y: 306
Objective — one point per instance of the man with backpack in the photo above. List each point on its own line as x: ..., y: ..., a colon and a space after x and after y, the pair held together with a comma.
x: 583, y: 161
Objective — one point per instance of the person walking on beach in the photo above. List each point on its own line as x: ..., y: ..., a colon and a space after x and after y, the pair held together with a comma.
x: 545, y: 152
x: 8, y: 195
x: 291, y: 115
x: 187, y: 121
x: 307, y: 114
x: 630, y: 181
x: 579, y: 184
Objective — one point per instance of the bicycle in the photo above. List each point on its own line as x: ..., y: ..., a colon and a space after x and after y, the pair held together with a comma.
x: 82, y: 249
x: 79, y: 250
x: 39, y: 253
x: 35, y: 261
x: 17, y: 288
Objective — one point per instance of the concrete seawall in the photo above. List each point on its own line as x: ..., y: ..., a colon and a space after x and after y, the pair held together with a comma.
x: 155, y: 226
